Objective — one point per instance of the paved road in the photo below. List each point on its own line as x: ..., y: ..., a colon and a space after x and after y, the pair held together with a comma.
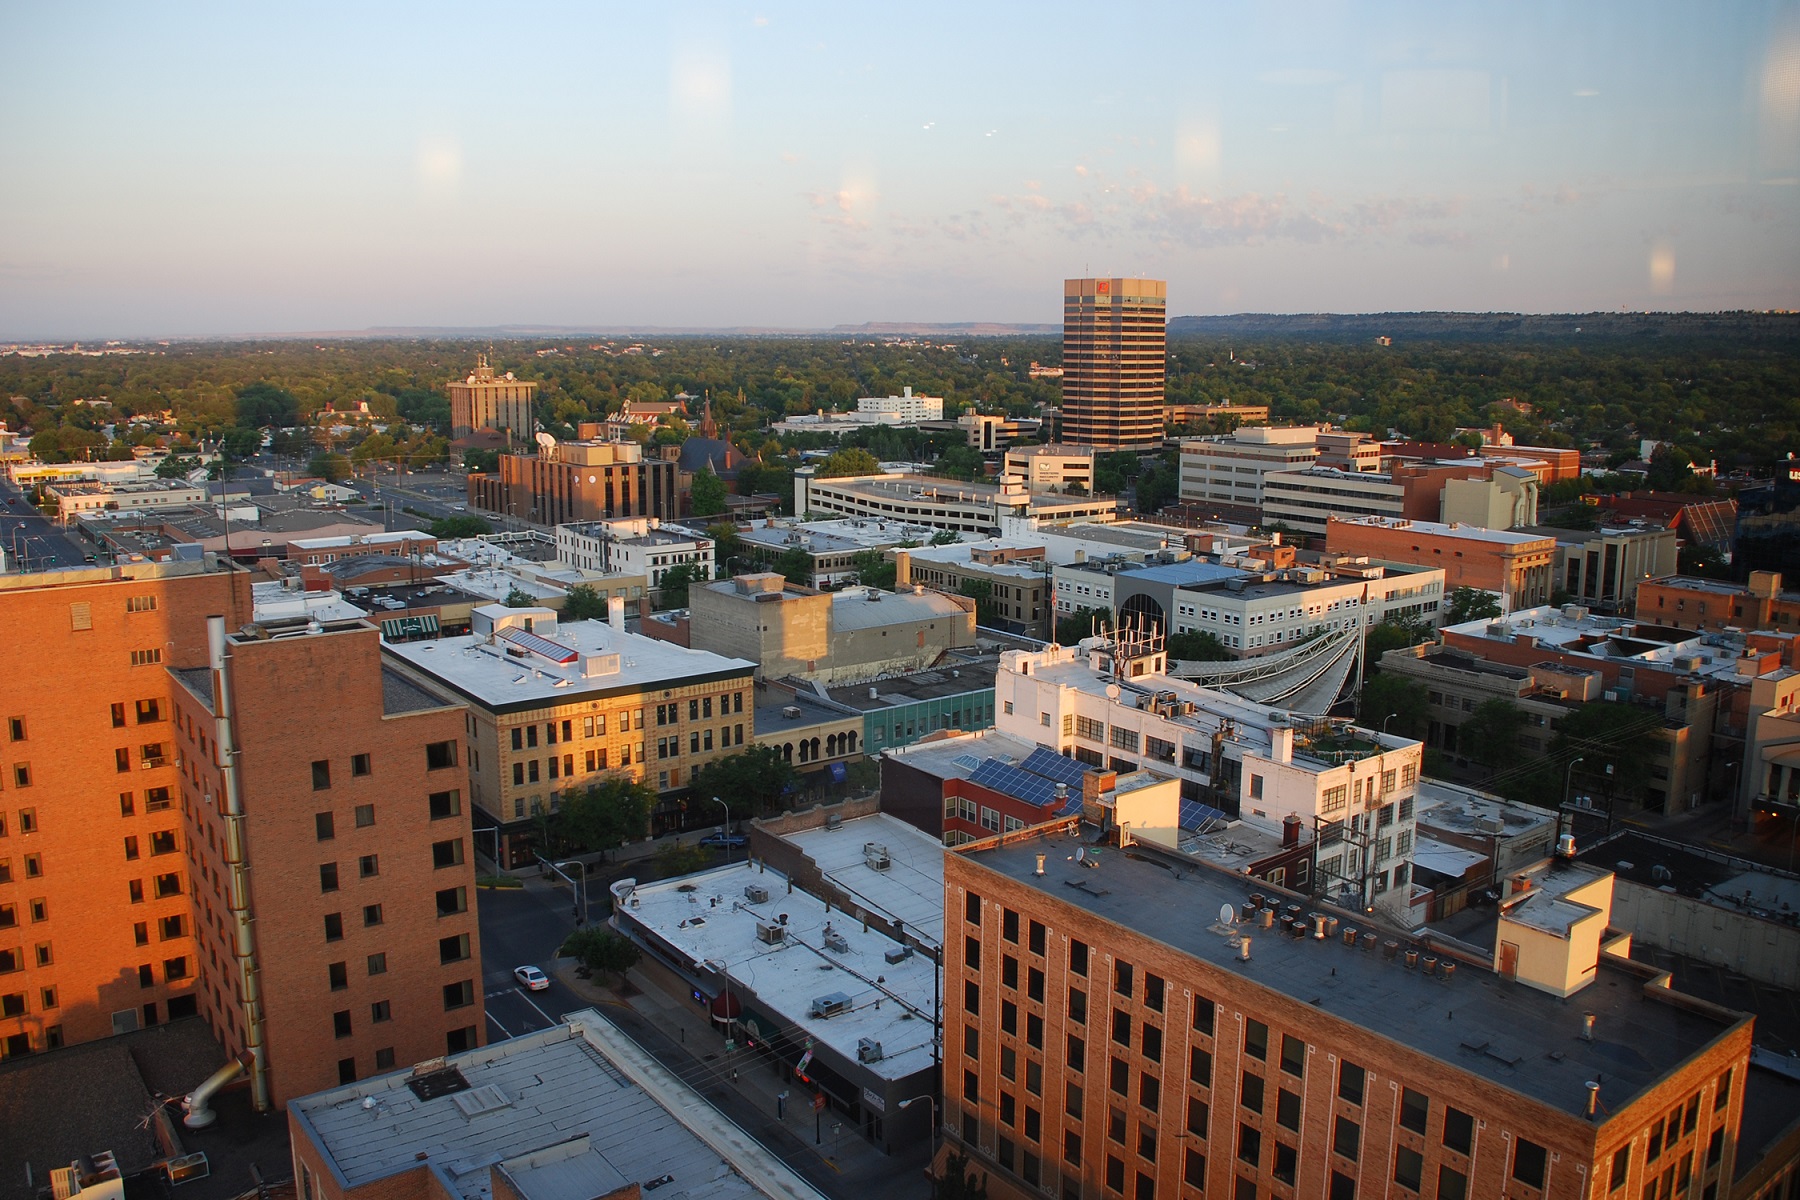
x: 36, y: 542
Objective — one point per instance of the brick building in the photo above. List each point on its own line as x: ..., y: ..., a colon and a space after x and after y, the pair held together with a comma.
x: 577, y: 481
x: 333, y: 886
x: 96, y: 930
x: 1690, y: 603
x: 1516, y: 567
x: 483, y: 400
x: 1139, y: 1025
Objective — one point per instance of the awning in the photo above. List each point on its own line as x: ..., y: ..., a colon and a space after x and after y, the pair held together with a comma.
x: 396, y: 629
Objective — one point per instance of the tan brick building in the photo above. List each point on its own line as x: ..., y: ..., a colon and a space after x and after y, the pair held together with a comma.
x: 483, y: 400
x: 1114, y: 342
x: 578, y: 481
x: 333, y: 879
x: 1108, y: 1031
x: 96, y: 930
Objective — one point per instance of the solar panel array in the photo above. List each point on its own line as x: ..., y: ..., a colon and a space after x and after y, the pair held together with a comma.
x: 967, y: 762
x: 1195, y: 815
x: 554, y: 651
x: 1052, y: 765
x: 1011, y: 781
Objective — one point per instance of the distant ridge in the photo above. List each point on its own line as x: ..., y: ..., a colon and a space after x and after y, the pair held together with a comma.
x: 1485, y: 327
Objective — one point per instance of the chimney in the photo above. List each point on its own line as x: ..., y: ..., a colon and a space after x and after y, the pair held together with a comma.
x: 1290, y: 831
x: 1593, y: 1101
x: 1244, y: 948
x: 902, y: 569
x: 1521, y: 883
x: 1587, y: 1026
x: 615, y: 613
x: 1040, y: 865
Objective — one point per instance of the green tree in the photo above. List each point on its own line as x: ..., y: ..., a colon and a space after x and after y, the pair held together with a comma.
x: 584, y: 603
x: 485, y: 461
x: 873, y: 570
x: 605, y: 815
x: 958, y: 1180
x: 1385, y: 696
x: 292, y: 443
x: 796, y: 566
x: 1615, y: 742
x: 981, y: 591
x: 726, y: 544
x: 1113, y: 471
x: 1669, y: 469
x: 945, y: 537
x: 751, y: 782
x: 601, y: 950
x: 264, y: 405
x: 1470, y: 604
x: 676, y: 859
x: 852, y: 461
x: 673, y: 592
x: 1392, y: 635
x: 1083, y: 622
x: 1197, y: 647
x: 708, y: 495
x: 330, y: 466
x: 1491, y: 734
x: 960, y: 461
x: 176, y: 467
x: 463, y: 525
x: 239, y: 443
x: 517, y: 597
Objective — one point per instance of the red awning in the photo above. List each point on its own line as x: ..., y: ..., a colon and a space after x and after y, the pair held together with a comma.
x: 725, y: 1007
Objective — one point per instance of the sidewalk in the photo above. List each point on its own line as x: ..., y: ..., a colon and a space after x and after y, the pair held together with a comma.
x: 746, y: 1084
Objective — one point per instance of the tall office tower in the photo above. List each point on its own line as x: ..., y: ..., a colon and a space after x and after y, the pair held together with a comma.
x: 96, y: 931
x: 333, y: 883
x: 484, y: 400
x: 1114, y: 362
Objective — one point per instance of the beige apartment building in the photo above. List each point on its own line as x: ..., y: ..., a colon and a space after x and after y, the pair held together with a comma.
x: 1115, y: 347
x: 483, y: 400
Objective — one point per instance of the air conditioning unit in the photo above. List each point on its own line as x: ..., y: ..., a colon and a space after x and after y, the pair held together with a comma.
x: 792, y: 711
x: 868, y: 1050
x: 770, y: 932
x: 875, y: 855
x: 756, y: 893
x: 836, y: 941
x: 898, y: 954
x: 830, y: 1005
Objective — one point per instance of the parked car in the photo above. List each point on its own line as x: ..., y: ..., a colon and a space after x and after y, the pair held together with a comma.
x: 531, y: 979
x: 724, y: 841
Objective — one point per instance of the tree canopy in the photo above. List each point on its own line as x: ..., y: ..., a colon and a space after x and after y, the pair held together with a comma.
x: 1470, y: 604
x: 604, y: 815
x: 463, y: 525
x: 584, y: 603
x: 707, y: 497
x: 673, y: 591
x: 854, y: 461
x: 1385, y: 696
x: 751, y: 782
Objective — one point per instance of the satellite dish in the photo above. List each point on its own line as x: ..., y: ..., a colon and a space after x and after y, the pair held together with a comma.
x: 1226, y: 914
x: 1081, y: 854
x: 546, y: 442
x: 1112, y: 691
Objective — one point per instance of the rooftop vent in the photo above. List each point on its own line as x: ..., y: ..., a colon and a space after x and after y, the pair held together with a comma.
x: 484, y: 1099
x: 836, y: 941
x: 756, y: 893
x: 868, y: 1050
x: 791, y: 711
x: 876, y: 856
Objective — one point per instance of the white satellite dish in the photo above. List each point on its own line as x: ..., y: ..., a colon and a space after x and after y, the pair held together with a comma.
x: 546, y: 442
x: 1081, y: 854
x: 1226, y: 914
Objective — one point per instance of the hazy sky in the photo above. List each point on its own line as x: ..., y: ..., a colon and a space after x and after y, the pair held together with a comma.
x: 177, y: 169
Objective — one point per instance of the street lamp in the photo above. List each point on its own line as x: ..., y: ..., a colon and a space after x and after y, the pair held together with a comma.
x: 725, y: 829
x: 1385, y: 720
x: 581, y: 912
x: 1567, y: 776
x: 934, y: 1119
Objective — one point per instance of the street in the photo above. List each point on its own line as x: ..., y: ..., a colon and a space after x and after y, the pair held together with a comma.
x: 33, y: 541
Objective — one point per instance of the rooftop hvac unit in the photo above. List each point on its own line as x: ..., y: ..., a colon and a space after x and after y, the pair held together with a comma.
x: 836, y: 941
x: 756, y: 893
x: 868, y: 1050
x: 770, y: 932
x: 188, y: 1167
x: 791, y: 711
x: 876, y: 856
x: 830, y: 1005
x: 833, y: 821
x: 898, y: 954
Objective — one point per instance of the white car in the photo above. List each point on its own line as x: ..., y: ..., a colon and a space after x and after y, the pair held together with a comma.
x: 531, y: 979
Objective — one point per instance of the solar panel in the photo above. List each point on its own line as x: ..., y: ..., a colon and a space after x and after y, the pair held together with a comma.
x: 1010, y: 781
x: 967, y: 762
x: 553, y: 651
x: 1052, y: 765
x: 1195, y: 815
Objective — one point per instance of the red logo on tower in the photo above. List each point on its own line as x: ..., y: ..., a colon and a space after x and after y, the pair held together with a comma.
x: 1102, y: 288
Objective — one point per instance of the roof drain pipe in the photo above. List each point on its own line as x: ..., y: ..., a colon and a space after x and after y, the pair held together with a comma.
x: 199, y: 1115
x: 231, y: 804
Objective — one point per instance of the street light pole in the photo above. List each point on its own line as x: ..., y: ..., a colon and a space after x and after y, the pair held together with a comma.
x: 1385, y: 720
x: 1567, y: 777
x: 725, y: 829
x: 934, y: 1119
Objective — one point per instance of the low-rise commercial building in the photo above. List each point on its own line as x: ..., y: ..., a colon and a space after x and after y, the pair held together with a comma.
x: 833, y: 548
x: 555, y: 705
x: 1227, y: 473
x: 1603, y: 568
x: 135, y: 495
x: 904, y: 409
x: 1052, y: 467
x: 1013, y: 572
x: 401, y: 543
x: 634, y: 546
x: 816, y: 736
x: 852, y: 634
x: 899, y: 709
x: 573, y: 1110
x: 1515, y: 565
x: 942, y: 504
x: 1225, y: 416
x: 1691, y: 603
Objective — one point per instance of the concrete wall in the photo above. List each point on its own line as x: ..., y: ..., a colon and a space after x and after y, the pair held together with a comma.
x: 788, y: 634
x: 1765, y: 951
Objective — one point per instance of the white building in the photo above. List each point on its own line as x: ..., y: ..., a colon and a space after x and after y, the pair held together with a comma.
x: 1117, y: 709
x: 977, y: 508
x: 1229, y: 471
x: 1051, y: 466
x: 1264, y: 613
x: 902, y: 410
x: 136, y: 495
x: 633, y: 546
x: 1306, y: 499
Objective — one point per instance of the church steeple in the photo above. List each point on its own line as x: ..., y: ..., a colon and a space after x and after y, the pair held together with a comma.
x: 708, y: 428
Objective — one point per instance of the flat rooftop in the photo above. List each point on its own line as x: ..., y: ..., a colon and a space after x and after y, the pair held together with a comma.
x: 1193, y: 572
x: 872, y: 608
x: 1453, y: 529
x: 842, y: 536
x: 956, y: 757
x: 475, y: 670
x: 709, y: 916
x: 774, y: 711
x: 1454, y: 809
x: 1617, y: 639
x: 568, y: 1113
x: 953, y: 676
x: 1504, y: 1032
x: 911, y: 890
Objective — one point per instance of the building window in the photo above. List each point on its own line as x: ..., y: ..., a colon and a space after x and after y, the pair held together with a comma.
x: 369, y: 865
x: 447, y: 853
x: 459, y: 995
x: 1415, y: 1109
x: 439, y: 755
x: 1293, y: 1056
x: 365, y: 815
x: 1528, y: 1163
x: 340, y: 1024
x: 325, y: 826
x: 451, y: 901
x: 1346, y: 1138
x: 1350, y: 1082
x: 321, y: 775
x: 379, y: 1012
x: 359, y: 764
x: 445, y: 804
x: 371, y: 915
x: 338, y: 974
x: 1256, y: 1040
x: 328, y: 877
x: 1459, y: 1130
x: 378, y: 964
x: 1409, y: 1168
x: 334, y: 927
x: 454, y: 948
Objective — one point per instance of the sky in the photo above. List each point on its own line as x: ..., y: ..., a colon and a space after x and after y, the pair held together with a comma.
x: 210, y: 170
